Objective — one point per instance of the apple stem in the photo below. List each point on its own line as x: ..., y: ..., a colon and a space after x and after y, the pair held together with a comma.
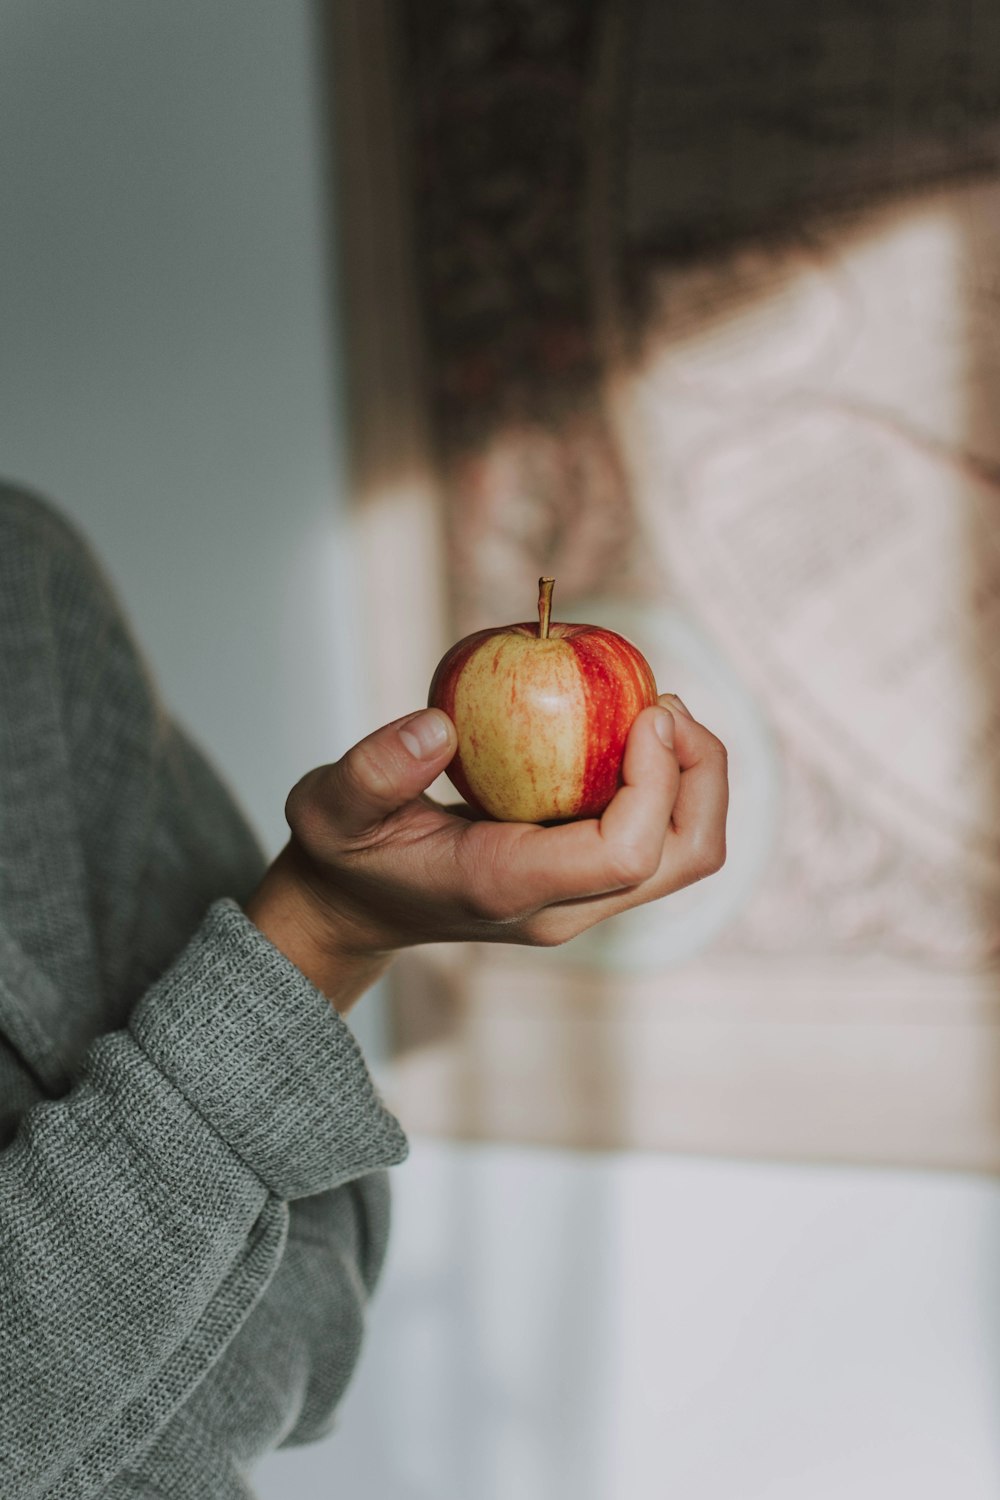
x: 545, y: 587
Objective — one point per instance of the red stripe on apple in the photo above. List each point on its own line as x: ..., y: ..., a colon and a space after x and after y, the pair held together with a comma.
x: 618, y: 684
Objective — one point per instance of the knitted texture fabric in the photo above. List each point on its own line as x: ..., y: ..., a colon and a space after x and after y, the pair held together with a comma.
x: 193, y: 1202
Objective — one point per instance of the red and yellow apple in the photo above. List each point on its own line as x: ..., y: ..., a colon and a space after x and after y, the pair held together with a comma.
x: 542, y: 713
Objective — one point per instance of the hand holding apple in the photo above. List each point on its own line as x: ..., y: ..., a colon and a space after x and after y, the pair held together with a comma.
x: 542, y: 713
x: 373, y: 865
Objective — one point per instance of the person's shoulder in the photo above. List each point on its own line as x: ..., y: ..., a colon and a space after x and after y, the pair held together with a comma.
x: 32, y: 525
x: 53, y: 586
x: 51, y: 575
x: 46, y: 561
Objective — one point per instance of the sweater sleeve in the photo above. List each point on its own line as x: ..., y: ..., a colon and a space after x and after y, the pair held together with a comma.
x: 280, y: 1380
x: 144, y: 1214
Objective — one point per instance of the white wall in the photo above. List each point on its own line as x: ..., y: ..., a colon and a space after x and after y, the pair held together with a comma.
x: 607, y: 1327
x: 167, y: 364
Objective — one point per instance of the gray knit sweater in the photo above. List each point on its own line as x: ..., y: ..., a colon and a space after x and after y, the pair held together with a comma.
x: 192, y: 1211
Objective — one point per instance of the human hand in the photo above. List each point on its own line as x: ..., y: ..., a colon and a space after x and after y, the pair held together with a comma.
x: 374, y: 865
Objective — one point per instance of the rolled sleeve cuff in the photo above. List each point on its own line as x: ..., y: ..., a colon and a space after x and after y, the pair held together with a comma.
x: 266, y: 1060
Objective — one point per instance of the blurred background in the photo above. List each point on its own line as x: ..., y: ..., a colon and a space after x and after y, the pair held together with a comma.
x: 335, y: 325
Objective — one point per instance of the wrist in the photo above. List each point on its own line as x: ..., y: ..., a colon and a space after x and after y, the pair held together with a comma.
x: 325, y: 948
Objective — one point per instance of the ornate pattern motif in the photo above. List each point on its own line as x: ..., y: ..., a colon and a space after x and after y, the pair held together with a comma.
x: 500, y: 94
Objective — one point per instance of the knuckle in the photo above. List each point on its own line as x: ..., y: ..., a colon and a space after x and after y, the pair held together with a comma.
x: 362, y: 773
x: 303, y: 812
x: 549, y: 934
x: 294, y: 807
x: 484, y: 905
x: 634, y: 863
x: 490, y: 895
x: 551, y: 939
x: 721, y: 753
x: 707, y: 857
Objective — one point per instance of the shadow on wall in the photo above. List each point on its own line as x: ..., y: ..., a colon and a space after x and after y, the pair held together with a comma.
x: 620, y: 283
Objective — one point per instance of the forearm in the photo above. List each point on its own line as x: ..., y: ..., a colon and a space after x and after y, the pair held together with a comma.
x: 325, y: 951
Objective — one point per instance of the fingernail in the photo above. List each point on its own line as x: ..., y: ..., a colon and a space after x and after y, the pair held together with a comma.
x: 425, y: 734
x: 665, y: 726
x: 680, y: 704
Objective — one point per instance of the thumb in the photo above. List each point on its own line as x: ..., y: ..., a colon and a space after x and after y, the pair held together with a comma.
x: 389, y: 768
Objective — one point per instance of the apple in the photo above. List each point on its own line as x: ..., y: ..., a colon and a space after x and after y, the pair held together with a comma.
x: 542, y: 714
